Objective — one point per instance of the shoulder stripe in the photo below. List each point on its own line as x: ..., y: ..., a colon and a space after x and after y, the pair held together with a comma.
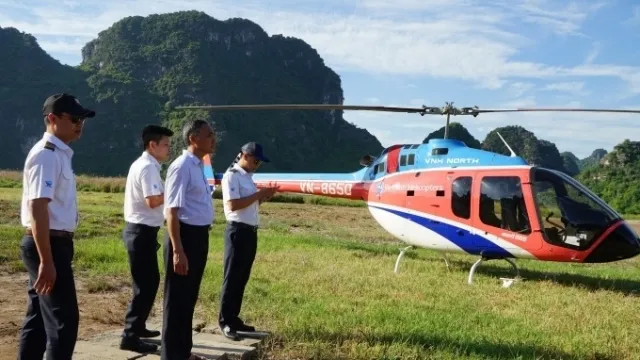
x: 49, y: 146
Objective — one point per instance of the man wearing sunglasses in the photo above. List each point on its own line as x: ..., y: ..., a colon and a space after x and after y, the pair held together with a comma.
x: 240, y: 200
x: 49, y: 215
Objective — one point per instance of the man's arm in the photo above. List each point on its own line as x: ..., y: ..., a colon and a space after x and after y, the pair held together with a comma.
x: 175, y: 199
x: 151, y: 185
x: 41, y: 181
x: 231, y: 193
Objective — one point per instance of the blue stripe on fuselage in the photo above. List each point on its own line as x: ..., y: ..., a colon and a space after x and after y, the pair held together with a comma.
x: 471, y: 243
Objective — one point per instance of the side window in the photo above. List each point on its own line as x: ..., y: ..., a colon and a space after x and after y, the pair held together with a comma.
x: 411, y: 159
x: 502, y: 204
x: 461, y: 197
x: 403, y: 160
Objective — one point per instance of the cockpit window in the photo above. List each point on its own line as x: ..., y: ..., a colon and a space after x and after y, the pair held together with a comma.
x: 570, y: 214
x: 502, y: 204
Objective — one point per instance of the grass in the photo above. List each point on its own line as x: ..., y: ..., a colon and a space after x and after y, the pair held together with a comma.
x: 13, y: 179
x: 323, y: 284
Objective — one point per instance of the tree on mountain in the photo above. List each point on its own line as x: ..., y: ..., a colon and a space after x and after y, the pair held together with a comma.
x: 593, y: 159
x: 458, y: 132
x: 570, y: 162
x: 525, y: 144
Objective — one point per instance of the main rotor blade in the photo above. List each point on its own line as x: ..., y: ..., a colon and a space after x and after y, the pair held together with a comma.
x: 474, y: 111
x: 555, y: 109
x: 311, y: 107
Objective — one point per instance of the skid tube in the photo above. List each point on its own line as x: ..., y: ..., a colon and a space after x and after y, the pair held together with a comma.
x: 397, y: 267
x: 506, y: 282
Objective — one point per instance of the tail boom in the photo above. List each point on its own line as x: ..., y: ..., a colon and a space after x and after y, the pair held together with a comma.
x: 352, y: 190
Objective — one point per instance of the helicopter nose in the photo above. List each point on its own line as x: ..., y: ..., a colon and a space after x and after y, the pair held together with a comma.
x: 622, y: 243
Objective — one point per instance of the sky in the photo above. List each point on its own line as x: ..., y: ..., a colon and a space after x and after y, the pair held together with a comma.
x: 490, y: 54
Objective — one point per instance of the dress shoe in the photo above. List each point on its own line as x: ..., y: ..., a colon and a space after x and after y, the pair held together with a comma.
x: 244, y: 327
x: 137, y: 345
x: 230, y: 333
x: 241, y: 326
x: 145, y: 333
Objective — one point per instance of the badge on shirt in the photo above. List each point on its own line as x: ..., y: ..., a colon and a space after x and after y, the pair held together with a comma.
x: 48, y: 183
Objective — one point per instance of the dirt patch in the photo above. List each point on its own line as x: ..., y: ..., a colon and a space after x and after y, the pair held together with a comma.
x: 99, y: 310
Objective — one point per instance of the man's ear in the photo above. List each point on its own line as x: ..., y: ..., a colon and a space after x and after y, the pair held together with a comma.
x: 51, y: 118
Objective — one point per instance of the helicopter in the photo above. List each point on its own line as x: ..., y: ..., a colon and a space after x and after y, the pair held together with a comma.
x: 445, y: 196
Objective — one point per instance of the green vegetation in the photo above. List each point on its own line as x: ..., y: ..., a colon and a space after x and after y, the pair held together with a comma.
x: 138, y: 70
x: 323, y: 284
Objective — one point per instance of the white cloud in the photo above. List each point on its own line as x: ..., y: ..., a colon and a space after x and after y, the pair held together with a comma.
x: 444, y: 42
x: 424, y: 42
x: 574, y: 87
x: 595, y: 51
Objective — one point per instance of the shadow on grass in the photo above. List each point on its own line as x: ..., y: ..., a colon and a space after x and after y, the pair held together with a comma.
x: 593, y: 283
x: 431, y: 342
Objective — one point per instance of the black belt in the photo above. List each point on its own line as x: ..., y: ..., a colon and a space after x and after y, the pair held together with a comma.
x: 242, y: 225
x: 54, y: 233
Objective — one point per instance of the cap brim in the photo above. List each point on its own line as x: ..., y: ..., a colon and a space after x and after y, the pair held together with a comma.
x: 263, y: 158
x: 80, y: 111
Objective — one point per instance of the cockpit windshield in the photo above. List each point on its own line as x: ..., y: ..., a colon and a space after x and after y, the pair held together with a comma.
x: 570, y: 214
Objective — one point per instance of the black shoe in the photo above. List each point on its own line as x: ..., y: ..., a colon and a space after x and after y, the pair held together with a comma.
x: 230, y: 333
x: 244, y: 327
x: 241, y: 326
x: 137, y: 345
x: 145, y: 333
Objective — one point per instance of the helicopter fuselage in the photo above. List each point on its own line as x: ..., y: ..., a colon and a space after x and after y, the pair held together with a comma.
x: 445, y: 196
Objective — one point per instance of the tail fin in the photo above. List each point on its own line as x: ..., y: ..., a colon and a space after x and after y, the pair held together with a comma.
x: 212, y: 178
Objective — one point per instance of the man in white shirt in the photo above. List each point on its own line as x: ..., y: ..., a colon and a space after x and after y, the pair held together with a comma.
x: 143, y: 214
x: 49, y: 215
x: 240, y: 201
x: 189, y: 213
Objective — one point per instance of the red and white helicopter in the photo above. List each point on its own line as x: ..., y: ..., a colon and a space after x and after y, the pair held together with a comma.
x: 445, y: 196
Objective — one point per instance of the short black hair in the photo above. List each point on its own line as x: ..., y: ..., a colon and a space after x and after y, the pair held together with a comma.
x: 154, y: 133
x: 192, y: 128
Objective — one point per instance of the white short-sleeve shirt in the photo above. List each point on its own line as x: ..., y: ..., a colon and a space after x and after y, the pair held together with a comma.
x: 143, y: 180
x: 188, y: 190
x: 237, y: 183
x: 48, y: 174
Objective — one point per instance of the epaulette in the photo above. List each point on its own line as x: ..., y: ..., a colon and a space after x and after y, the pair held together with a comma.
x: 49, y: 146
x: 233, y: 170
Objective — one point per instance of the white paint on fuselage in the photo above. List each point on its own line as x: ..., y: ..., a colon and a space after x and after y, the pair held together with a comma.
x: 417, y: 235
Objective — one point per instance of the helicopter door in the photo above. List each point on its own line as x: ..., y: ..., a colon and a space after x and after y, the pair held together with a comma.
x: 503, y: 217
x: 392, y: 159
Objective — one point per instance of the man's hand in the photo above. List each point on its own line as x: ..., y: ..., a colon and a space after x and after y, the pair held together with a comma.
x: 46, y: 278
x: 180, y: 262
x: 39, y: 211
x: 267, y: 193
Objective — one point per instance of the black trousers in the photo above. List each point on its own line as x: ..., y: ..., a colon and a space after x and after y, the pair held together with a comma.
x: 51, y: 321
x: 181, y: 291
x: 240, y: 244
x: 142, y: 247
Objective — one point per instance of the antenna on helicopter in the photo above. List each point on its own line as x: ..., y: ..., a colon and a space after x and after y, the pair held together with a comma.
x: 513, y: 154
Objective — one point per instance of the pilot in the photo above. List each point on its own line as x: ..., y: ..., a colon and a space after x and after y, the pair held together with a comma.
x: 240, y: 201
x: 143, y: 214
x: 189, y: 214
x: 50, y: 216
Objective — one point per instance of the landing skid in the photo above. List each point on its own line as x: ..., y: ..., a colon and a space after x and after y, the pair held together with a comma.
x: 506, y: 282
x: 397, y: 267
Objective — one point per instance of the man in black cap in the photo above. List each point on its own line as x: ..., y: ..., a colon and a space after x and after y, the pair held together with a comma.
x: 240, y: 201
x: 49, y: 215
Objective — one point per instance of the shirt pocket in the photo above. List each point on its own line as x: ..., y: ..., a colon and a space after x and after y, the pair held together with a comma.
x: 197, y: 183
x: 67, y: 181
x: 246, y: 189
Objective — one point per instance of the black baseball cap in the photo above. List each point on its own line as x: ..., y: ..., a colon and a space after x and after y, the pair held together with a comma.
x: 60, y: 103
x: 254, y: 149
